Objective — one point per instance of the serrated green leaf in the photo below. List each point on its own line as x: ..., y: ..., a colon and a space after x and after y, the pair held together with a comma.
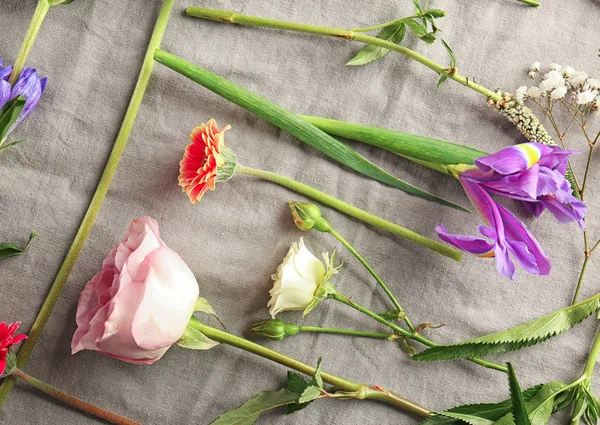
x: 317, y: 380
x: 541, y: 405
x: 311, y: 393
x: 393, y: 33
x: 9, y: 115
x: 11, y: 364
x: 525, y: 335
x: 416, y: 27
x: 491, y: 411
x: 297, y: 384
x: 519, y: 411
x: 471, y: 420
x: 11, y: 250
x: 293, y: 124
x: 195, y: 340
x: 249, y: 412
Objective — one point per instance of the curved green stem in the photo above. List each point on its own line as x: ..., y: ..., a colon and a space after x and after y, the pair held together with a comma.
x: 40, y: 13
x: 351, y: 211
x: 374, y: 393
x: 238, y: 18
x: 351, y: 332
x: 414, y: 336
x: 94, y: 207
x: 71, y: 400
x: 375, y: 275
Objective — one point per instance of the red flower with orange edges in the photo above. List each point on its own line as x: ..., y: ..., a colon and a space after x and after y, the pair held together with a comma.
x: 7, y: 339
x: 206, y: 161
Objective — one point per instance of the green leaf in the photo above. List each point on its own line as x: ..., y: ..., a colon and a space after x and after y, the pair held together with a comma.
x: 11, y: 364
x: 249, y: 412
x: 10, y: 145
x: 11, y: 250
x: 394, y: 34
x: 310, y: 394
x: 489, y: 411
x: 418, y: 7
x: 297, y: 384
x: 195, y: 340
x: 472, y: 420
x: 392, y: 315
x: 292, y: 123
x: 519, y: 411
x: 525, y: 335
x: 417, y: 28
x: 541, y: 405
x: 317, y: 380
x: 452, y: 65
x: 9, y: 115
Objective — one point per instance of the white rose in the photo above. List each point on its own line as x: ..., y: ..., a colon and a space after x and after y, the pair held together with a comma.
x: 296, y: 280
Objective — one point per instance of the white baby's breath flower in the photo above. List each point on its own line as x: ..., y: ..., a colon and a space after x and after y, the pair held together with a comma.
x: 596, y: 104
x: 552, y: 80
x: 594, y: 83
x: 586, y: 97
x: 520, y: 94
x: 558, y: 93
x: 578, y: 78
x: 567, y: 71
x: 555, y: 67
x: 532, y: 74
x: 534, y: 92
x: 535, y: 67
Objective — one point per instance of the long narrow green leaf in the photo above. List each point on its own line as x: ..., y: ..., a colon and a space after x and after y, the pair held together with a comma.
x: 9, y: 115
x: 293, y: 124
x: 519, y: 411
x: 515, y: 338
x: 405, y: 144
x: 249, y: 412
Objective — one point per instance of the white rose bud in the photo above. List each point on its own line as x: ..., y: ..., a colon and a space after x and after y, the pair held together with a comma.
x: 301, y: 281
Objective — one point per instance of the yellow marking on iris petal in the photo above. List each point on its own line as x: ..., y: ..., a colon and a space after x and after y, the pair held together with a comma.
x: 532, y: 154
x: 490, y: 254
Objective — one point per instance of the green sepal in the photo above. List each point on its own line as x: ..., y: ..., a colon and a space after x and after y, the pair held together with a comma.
x: 9, y: 115
x: 325, y: 289
x: 293, y: 124
x: 195, y: 340
x: 11, y: 364
x: 11, y: 250
x: 525, y: 335
x: 519, y: 411
x: 393, y: 33
x: 249, y: 412
x: 226, y: 169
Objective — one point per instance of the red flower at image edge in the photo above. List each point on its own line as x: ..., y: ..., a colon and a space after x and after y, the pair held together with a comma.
x: 7, y: 339
x: 204, y: 157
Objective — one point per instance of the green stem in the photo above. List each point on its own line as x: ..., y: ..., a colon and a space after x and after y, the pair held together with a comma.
x: 414, y: 336
x: 40, y: 13
x: 581, y: 274
x: 342, y: 384
x: 375, y: 275
x: 97, y: 200
x: 588, y: 371
x: 351, y: 332
x: 73, y: 401
x: 232, y: 17
x: 351, y: 211
x: 530, y: 2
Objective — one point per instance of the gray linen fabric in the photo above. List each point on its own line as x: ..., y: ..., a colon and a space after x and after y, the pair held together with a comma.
x: 235, y: 238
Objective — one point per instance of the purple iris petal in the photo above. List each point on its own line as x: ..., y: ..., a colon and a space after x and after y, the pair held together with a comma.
x: 4, y: 93
x: 508, y: 236
x: 534, y: 174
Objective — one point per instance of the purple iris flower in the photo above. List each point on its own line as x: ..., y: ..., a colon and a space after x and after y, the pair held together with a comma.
x: 532, y: 173
x: 29, y: 85
x: 508, y: 236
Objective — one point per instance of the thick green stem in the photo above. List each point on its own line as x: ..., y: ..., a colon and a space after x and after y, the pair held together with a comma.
x: 341, y: 384
x: 375, y: 275
x: 232, y: 17
x: 73, y: 401
x: 94, y: 207
x: 531, y: 2
x: 40, y: 13
x: 351, y: 211
x: 351, y: 332
x: 414, y: 336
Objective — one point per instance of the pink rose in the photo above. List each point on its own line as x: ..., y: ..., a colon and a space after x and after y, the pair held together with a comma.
x: 140, y: 303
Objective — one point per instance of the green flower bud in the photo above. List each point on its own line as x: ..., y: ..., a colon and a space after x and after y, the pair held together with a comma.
x: 436, y: 13
x: 307, y: 216
x: 274, y: 329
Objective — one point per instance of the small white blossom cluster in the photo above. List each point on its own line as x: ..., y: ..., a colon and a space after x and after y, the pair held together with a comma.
x: 560, y: 81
